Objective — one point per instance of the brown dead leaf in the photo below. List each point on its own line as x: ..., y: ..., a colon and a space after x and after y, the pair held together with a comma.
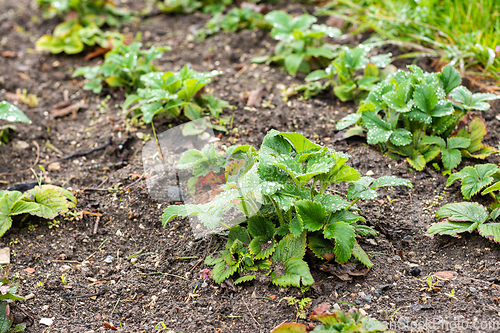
x: 110, y: 326
x: 9, y: 54
x: 97, y: 52
x: 56, y: 113
x: 262, y: 8
x: 29, y: 270
x: 273, y: 297
x: 319, y: 311
x: 335, y: 21
x: 23, y: 76
x: 12, y: 97
x: 345, y: 272
x: 446, y: 275
x: 255, y: 97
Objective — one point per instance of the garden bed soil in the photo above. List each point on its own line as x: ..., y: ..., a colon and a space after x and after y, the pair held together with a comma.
x: 157, y: 285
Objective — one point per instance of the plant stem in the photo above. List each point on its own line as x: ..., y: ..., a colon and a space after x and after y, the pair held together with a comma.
x: 156, y: 139
x: 353, y: 203
x: 278, y: 211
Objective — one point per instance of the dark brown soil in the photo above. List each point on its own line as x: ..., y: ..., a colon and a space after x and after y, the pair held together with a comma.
x: 131, y: 293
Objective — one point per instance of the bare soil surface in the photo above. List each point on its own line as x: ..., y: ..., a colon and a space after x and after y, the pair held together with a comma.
x: 104, y: 285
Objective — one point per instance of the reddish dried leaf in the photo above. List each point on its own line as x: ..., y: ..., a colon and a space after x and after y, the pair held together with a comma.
x: 211, y: 179
x: 322, y: 309
x: 109, y: 326
x: 23, y: 76
x: 12, y: 97
x: 30, y: 270
x: 273, y: 297
x: 446, y: 275
x: 9, y: 54
x: 97, y: 52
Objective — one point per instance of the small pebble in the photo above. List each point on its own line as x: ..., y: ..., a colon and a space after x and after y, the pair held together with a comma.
x: 367, y: 298
x: 108, y: 259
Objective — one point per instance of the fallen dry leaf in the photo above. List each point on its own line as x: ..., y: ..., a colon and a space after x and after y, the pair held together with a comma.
x: 446, y: 275
x: 335, y: 21
x: 97, y: 52
x: 255, y: 97
x: 110, y: 326
x: 23, y: 76
x: 345, y: 272
x: 319, y: 311
x: 262, y: 8
x: 56, y: 113
x: 12, y: 97
x: 273, y: 297
x: 9, y: 54
x: 29, y: 270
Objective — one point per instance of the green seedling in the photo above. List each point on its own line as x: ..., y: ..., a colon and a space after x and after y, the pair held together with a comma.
x: 300, y: 305
x: 235, y: 20
x: 84, y: 28
x: 415, y: 114
x: 464, y: 217
x: 282, y: 191
x: 123, y: 67
x: 8, y: 291
x: 64, y: 280
x: 431, y: 285
x: 336, y: 321
x: 29, y: 99
x: 45, y: 201
x: 190, y: 6
x: 178, y: 94
x: 484, y: 177
x: 11, y: 114
x: 351, y: 75
x: 301, y: 46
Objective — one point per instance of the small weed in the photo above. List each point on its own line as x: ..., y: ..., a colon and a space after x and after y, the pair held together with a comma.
x: 300, y: 305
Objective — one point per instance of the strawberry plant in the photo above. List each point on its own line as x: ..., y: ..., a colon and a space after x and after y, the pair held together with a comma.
x: 84, y: 19
x: 345, y: 77
x: 190, y: 6
x: 475, y: 178
x: 177, y: 94
x: 235, y: 20
x: 8, y: 291
x: 45, y: 201
x: 467, y: 217
x: 301, y: 47
x: 123, y: 67
x: 11, y: 114
x: 283, y: 190
x: 415, y: 114
x: 336, y: 321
